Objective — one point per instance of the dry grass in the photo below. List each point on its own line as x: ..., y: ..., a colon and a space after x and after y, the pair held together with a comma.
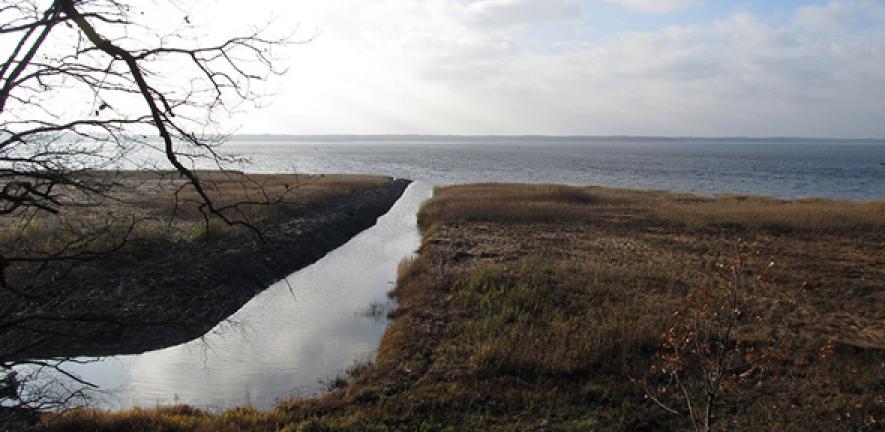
x: 289, y: 190
x: 559, y: 203
x: 805, y: 215
x: 533, y: 308
x: 174, y: 418
x: 162, y: 207
x: 496, y: 202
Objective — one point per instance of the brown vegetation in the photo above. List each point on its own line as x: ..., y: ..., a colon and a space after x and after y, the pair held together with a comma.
x: 558, y: 203
x: 146, y: 210
x: 542, y: 307
x: 143, y: 269
x: 164, y: 206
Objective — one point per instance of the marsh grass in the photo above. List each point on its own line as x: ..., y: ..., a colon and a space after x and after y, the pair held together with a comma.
x: 547, y: 318
x: 160, y: 207
x: 537, y: 307
x: 495, y: 202
x: 559, y: 203
x: 285, y: 193
x: 173, y: 418
x: 344, y: 377
x: 759, y: 213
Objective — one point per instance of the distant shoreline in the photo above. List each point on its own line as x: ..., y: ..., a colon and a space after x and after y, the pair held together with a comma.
x: 456, y: 137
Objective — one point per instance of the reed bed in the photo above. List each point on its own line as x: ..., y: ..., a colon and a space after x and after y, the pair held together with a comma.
x: 540, y: 307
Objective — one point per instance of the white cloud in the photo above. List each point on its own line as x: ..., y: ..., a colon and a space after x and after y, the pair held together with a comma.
x: 656, y: 5
x: 841, y: 16
x: 520, y: 12
x: 444, y: 66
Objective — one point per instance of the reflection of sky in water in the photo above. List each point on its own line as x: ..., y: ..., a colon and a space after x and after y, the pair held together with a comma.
x: 283, y: 346
x: 282, y: 343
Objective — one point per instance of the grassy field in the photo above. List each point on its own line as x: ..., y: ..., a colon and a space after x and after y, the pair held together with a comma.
x: 549, y: 307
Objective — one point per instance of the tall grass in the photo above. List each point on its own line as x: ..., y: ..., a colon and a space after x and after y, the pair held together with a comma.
x: 515, y: 203
x: 161, y: 207
x: 552, y: 318
x: 558, y: 203
x: 800, y: 215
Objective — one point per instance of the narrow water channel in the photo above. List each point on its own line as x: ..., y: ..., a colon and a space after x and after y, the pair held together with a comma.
x: 287, y: 340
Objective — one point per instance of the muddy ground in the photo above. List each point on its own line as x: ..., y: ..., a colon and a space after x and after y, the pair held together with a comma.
x: 165, y: 293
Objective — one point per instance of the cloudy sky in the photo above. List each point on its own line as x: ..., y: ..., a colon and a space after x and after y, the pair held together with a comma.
x: 637, y: 67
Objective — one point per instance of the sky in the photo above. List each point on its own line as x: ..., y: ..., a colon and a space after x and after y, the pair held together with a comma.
x: 571, y: 67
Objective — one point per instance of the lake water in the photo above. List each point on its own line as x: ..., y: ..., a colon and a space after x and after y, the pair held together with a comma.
x: 294, y: 335
x: 787, y: 168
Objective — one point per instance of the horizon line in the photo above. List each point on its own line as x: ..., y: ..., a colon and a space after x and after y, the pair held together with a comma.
x: 565, y: 136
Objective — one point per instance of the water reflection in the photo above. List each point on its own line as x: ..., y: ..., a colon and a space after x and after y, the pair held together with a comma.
x: 286, y: 340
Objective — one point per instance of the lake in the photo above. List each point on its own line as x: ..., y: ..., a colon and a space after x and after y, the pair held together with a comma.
x: 297, y: 334
x: 787, y: 168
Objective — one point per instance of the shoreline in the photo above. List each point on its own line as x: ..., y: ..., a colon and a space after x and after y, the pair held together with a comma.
x: 176, y: 293
x: 536, y: 307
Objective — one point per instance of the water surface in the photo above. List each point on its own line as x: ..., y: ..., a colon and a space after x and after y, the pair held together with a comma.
x: 787, y: 168
x: 292, y: 336
x: 286, y: 340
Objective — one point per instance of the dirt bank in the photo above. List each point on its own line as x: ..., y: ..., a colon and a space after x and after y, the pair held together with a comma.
x: 168, y: 293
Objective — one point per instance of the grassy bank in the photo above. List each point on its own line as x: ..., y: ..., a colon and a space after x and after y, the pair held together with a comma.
x: 549, y: 308
x: 148, y: 211
x: 161, y: 206
x: 140, y: 268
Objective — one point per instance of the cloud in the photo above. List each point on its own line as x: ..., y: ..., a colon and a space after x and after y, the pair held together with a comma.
x: 444, y: 66
x: 520, y: 12
x: 656, y: 5
x: 737, y: 76
x: 841, y: 16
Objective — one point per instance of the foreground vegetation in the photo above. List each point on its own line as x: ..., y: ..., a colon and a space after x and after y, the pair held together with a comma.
x: 554, y: 307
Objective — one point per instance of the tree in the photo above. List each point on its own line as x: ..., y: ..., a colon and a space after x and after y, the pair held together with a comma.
x: 85, y: 89
x: 71, y: 48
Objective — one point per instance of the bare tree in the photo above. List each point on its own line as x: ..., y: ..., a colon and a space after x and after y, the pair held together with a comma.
x: 68, y: 49
x: 710, y: 375
x: 85, y: 89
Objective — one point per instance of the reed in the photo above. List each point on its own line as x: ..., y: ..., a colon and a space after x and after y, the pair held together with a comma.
x: 540, y: 307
